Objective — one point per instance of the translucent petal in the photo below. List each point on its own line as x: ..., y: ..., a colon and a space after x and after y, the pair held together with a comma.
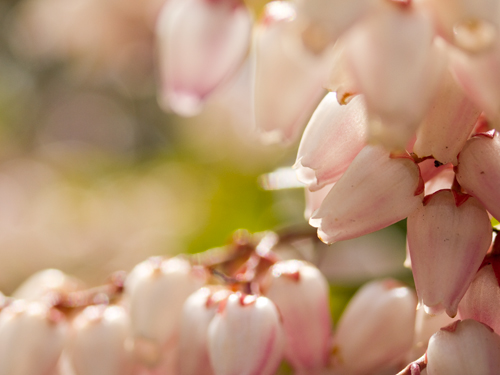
x: 482, y: 300
x: 447, y: 125
x: 448, y: 237
x: 397, y: 67
x: 374, y: 192
x: 288, y: 79
x: 332, y: 139
x: 202, y: 43
x: 478, y: 170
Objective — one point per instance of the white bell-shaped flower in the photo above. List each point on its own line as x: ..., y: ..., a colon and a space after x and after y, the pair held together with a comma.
x: 246, y: 337
x: 300, y: 291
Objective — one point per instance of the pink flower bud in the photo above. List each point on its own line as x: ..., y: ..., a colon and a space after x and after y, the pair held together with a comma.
x: 482, y: 300
x: 245, y: 337
x: 447, y: 125
x: 376, y: 191
x: 97, y: 341
x: 479, y: 77
x: 202, y: 43
x: 46, y: 281
x: 469, y: 24
x: 197, y: 313
x: 448, y: 237
x: 31, y: 338
x: 301, y: 293
x: 463, y: 348
x: 376, y: 329
x: 397, y: 67
x: 157, y: 290
x: 478, y: 170
x: 332, y: 17
x: 288, y: 79
x: 332, y: 139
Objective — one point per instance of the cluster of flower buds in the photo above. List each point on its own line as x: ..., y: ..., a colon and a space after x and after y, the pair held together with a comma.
x: 240, y: 310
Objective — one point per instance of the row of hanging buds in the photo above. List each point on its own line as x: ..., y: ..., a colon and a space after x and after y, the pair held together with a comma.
x: 241, y: 310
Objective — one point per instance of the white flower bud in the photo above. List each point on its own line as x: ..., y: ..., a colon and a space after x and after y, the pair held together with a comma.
x: 157, y: 290
x: 97, y: 341
x: 32, y: 336
x: 245, y: 337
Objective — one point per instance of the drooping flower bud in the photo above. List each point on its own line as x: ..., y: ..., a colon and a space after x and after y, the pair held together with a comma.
x: 300, y: 292
x: 469, y: 24
x: 482, y: 300
x: 157, y: 290
x: 329, y: 18
x: 332, y: 139
x: 197, y: 313
x: 376, y: 329
x: 448, y: 237
x: 44, y: 282
x: 32, y: 336
x: 245, y: 337
x: 463, y: 348
x: 376, y: 191
x: 479, y: 77
x: 397, y: 67
x: 448, y: 123
x: 478, y: 170
x: 97, y: 341
x: 202, y: 43
x: 288, y: 79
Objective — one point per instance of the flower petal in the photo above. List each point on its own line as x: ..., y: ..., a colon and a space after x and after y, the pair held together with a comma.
x: 448, y: 239
x: 202, y: 43
x: 332, y: 139
x: 375, y: 191
x: 447, y: 125
x: 478, y: 170
x: 288, y: 79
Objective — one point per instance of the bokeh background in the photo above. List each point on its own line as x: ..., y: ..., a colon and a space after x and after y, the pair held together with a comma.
x: 94, y: 177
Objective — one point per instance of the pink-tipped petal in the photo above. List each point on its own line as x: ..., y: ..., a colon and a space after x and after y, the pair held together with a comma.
x: 201, y: 44
x: 376, y: 329
x: 375, y: 191
x: 448, y: 237
x: 482, y: 300
x: 288, y: 79
x: 300, y: 292
x: 332, y: 139
x: 464, y: 348
x: 447, y: 125
x: 478, y: 170
x: 397, y: 67
x: 245, y: 337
